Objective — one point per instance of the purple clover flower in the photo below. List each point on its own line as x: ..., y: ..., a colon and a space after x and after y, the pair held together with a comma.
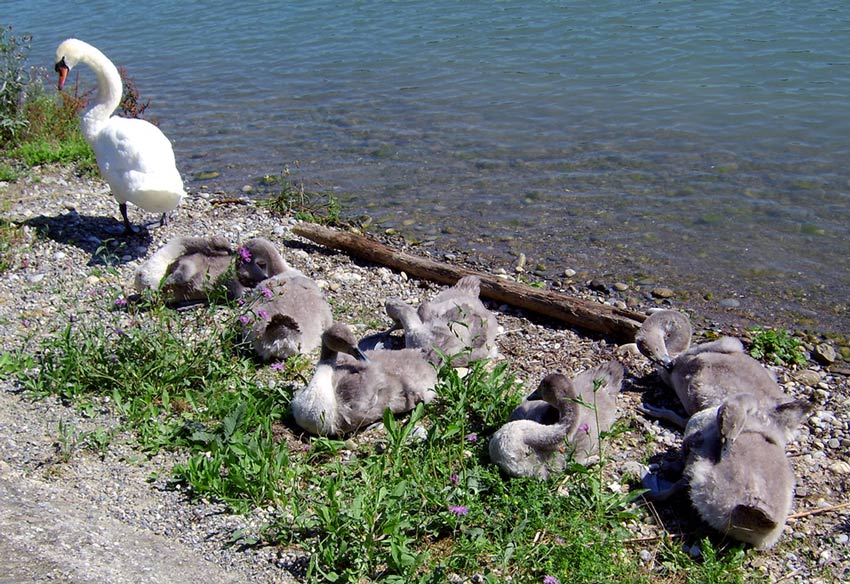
x: 263, y: 314
x: 454, y: 478
x: 266, y: 291
x: 459, y: 510
x: 244, y: 319
x: 472, y: 437
x: 584, y: 428
x: 547, y: 579
x: 120, y: 302
x: 278, y: 366
x: 244, y: 254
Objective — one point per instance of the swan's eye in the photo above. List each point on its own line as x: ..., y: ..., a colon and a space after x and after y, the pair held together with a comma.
x: 60, y: 65
x: 260, y: 264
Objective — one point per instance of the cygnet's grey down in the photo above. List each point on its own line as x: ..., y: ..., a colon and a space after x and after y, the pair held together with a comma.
x: 287, y: 316
x: 455, y: 324
x: 191, y: 269
x: 351, y: 389
x: 706, y: 374
x: 587, y: 407
x: 740, y: 480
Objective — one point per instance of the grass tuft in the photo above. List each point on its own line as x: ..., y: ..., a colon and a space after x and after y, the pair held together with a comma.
x: 776, y: 346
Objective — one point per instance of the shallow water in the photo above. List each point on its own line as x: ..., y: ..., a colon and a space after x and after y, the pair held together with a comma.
x: 697, y: 145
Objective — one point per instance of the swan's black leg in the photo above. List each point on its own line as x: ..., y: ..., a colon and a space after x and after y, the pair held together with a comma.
x: 164, y: 221
x: 128, y: 228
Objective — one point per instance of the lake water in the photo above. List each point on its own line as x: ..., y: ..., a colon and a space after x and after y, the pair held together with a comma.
x: 698, y: 145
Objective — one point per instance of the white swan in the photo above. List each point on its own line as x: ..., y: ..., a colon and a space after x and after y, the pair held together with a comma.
x: 134, y: 156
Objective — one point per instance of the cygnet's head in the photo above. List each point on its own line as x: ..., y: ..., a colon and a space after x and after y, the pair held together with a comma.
x: 339, y: 339
x: 663, y: 336
x: 556, y: 389
x: 258, y: 260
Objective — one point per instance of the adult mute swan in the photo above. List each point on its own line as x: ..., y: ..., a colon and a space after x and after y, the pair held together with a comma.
x: 134, y: 156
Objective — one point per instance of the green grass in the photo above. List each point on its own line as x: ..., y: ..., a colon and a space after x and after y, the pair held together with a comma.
x: 776, y: 346
x: 281, y: 195
x: 415, y: 504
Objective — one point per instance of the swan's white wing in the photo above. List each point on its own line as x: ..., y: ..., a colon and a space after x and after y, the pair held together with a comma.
x: 137, y: 161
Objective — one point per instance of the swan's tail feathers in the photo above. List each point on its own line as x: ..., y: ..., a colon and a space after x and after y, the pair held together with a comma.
x: 469, y: 285
x: 158, y: 200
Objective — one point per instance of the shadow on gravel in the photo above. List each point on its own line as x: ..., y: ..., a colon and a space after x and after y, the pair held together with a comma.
x: 103, y: 238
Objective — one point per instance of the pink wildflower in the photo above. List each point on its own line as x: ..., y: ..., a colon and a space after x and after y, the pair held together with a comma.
x: 472, y: 437
x: 244, y: 254
x: 550, y: 580
x: 244, y: 319
x: 454, y: 478
x: 266, y: 292
x: 459, y: 510
x: 278, y: 366
x: 120, y: 302
x: 263, y: 314
x: 584, y: 428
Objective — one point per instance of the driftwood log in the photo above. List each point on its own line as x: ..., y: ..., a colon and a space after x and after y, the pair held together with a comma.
x: 593, y: 316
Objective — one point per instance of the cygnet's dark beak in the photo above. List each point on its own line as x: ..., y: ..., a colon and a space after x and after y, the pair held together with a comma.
x: 534, y: 395
x: 358, y: 354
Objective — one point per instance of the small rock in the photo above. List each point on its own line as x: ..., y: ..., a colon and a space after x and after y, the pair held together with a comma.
x: 35, y: 278
x: 833, y: 443
x: 207, y: 175
x: 569, y: 273
x: 840, y: 467
x: 824, y: 353
x: 247, y: 189
x: 645, y: 555
x: 730, y: 303
x: 598, y: 285
x: 662, y: 292
x: 841, y: 538
x: 59, y: 256
x: 807, y: 377
x: 621, y: 286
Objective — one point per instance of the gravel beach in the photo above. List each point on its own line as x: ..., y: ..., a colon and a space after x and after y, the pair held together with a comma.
x: 109, y: 516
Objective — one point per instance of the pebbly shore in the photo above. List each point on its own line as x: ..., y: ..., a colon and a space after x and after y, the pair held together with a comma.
x: 71, y: 231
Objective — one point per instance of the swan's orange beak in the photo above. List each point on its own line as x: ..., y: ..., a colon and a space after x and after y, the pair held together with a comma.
x: 62, y: 69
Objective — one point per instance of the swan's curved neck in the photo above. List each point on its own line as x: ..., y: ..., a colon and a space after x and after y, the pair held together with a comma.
x: 108, y: 96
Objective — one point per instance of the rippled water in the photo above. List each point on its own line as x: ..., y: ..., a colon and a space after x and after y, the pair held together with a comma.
x: 698, y: 145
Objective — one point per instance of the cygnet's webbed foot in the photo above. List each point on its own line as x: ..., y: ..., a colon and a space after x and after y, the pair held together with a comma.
x: 164, y: 220
x: 659, y: 490
x: 663, y: 414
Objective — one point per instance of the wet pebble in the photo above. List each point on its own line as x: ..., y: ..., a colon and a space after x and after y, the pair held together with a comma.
x: 662, y: 292
x: 730, y: 303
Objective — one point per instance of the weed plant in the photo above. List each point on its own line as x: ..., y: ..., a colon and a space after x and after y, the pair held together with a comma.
x: 282, y: 196
x: 776, y: 346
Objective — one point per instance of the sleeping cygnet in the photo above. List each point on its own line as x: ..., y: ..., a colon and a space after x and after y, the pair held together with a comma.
x: 455, y: 324
x: 351, y: 389
x: 586, y: 406
x: 287, y: 316
x: 192, y: 269
x: 741, y: 482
